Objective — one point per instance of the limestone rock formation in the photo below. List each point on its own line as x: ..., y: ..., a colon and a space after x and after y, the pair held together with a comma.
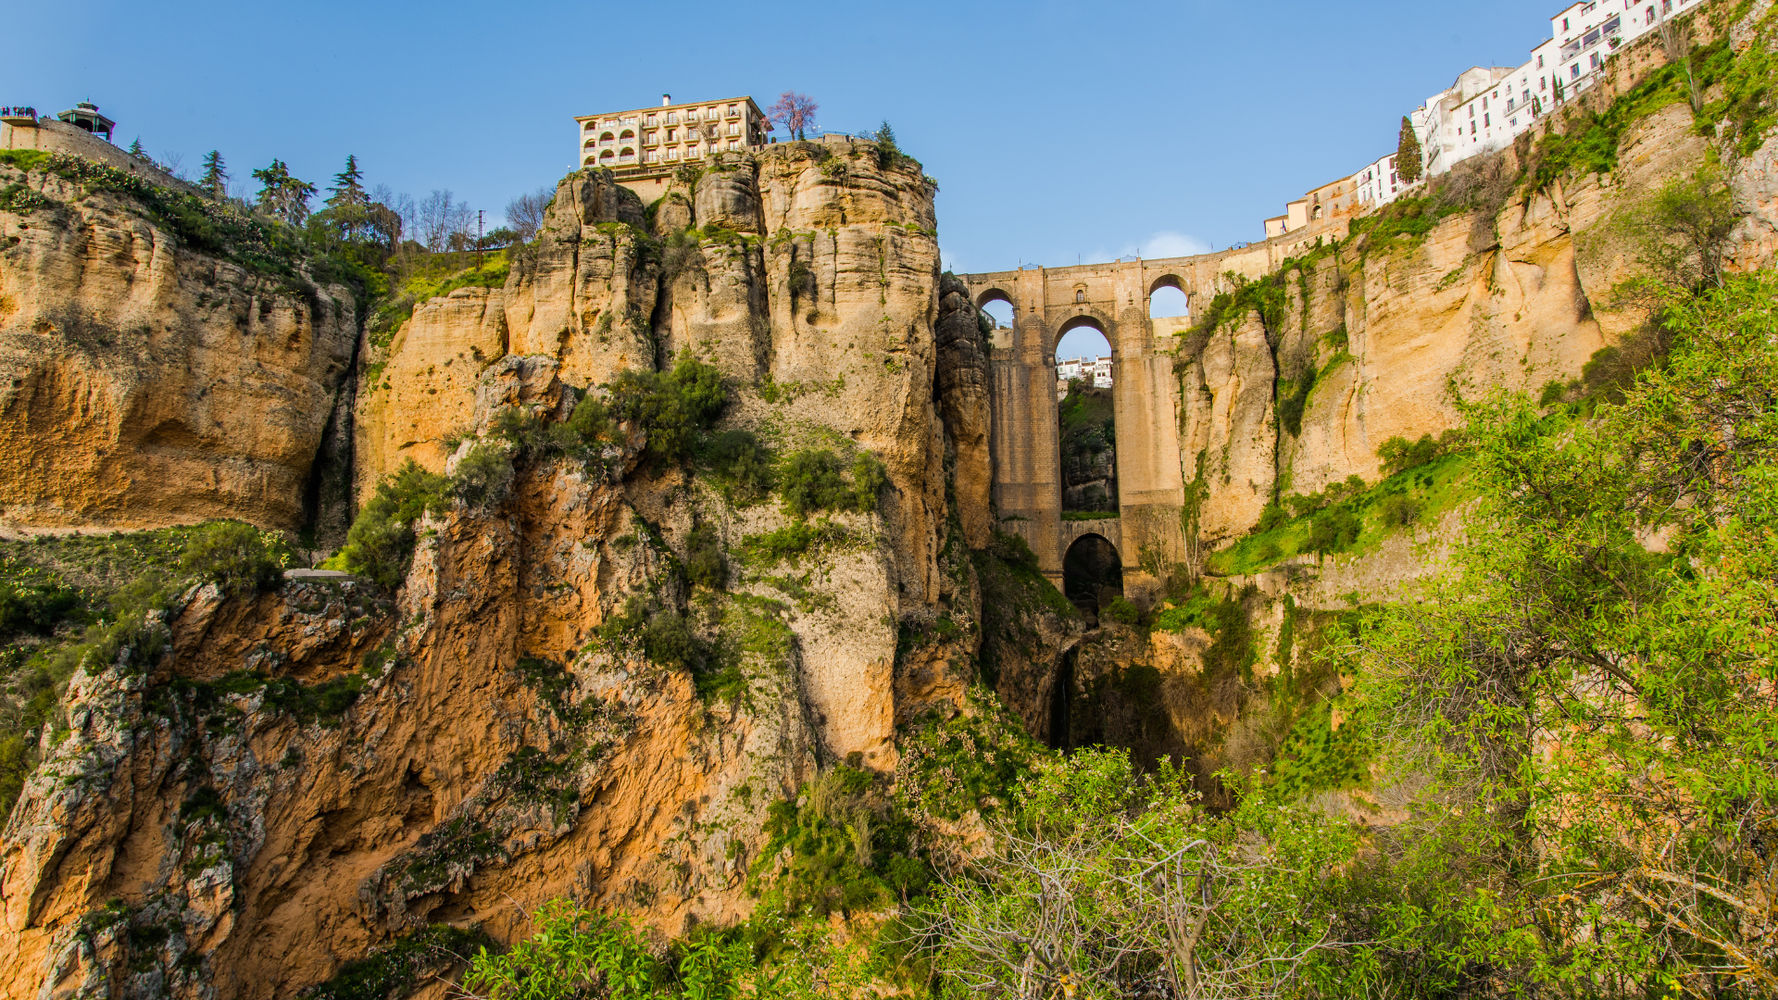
x: 143, y: 383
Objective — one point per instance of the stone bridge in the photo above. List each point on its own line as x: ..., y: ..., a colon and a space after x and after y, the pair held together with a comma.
x: 1114, y: 299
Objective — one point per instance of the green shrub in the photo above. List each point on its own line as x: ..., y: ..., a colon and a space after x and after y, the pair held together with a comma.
x: 1334, y: 530
x: 1290, y: 408
x: 1011, y: 548
x: 400, y: 969
x: 674, y: 407
x: 704, y: 562
x: 1274, y: 516
x: 740, y: 459
x: 790, y: 541
x: 869, y: 476
x: 234, y: 556
x: 1400, y: 510
x: 484, y: 476
x: 813, y: 479
x: 1123, y: 612
x: 35, y: 609
x: 380, y: 543
x: 1400, y: 455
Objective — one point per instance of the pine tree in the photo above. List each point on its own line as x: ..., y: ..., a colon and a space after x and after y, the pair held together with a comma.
x: 348, y: 187
x: 137, y: 151
x: 1407, y: 153
x: 215, y: 177
x: 283, y: 195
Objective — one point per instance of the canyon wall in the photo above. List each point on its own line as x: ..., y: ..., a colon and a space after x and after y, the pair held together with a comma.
x: 314, y: 771
x: 143, y: 383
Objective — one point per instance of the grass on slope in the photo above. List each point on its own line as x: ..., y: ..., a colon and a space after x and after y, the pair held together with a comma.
x: 1429, y: 491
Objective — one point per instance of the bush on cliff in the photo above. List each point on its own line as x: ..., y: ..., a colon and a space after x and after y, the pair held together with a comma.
x: 235, y: 556
x: 815, y: 479
x: 381, y: 541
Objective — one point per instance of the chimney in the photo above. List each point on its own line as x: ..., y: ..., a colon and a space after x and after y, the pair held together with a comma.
x: 666, y: 99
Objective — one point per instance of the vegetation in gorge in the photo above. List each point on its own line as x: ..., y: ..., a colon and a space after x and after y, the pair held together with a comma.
x: 1088, y: 435
x: 79, y: 600
x: 1575, y: 727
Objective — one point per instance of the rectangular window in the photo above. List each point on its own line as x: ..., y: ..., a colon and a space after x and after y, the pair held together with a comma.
x: 649, y: 120
x: 1574, y: 72
x: 1484, y: 121
x: 672, y: 154
x: 673, y: 118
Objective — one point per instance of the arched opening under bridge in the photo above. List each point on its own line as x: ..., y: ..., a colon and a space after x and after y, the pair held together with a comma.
x: 1092, y: 573
x: 1086, y: 420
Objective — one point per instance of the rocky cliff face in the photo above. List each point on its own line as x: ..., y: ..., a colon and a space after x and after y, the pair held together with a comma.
x: 308, y: 773
x: 1394, y: 334
x: 143, y: 383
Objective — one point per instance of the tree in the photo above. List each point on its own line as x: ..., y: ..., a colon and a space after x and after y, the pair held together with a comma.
x: 215, y: 179
x: 348, y: 186
x: 136, y: 149
x: 887, y: 150
x: 1684, y: 230
x: 1407, y: 153
x: 282, y: 195
x: 1587, y: 712
x: 794, y: 111
x: 524, y: 214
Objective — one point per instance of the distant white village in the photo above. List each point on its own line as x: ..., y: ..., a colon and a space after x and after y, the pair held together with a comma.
x: 1093, y: 373
x: 1488, y: 106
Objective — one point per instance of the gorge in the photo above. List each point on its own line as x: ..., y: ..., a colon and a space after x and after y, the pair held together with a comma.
x: 706, y: 561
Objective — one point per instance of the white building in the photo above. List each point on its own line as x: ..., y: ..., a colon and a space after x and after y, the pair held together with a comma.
x: 1488, y: 107
x: 655, y: 140
x: 1095, y: 372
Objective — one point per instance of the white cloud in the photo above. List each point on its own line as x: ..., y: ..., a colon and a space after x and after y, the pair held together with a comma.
x: 1165, y: 243
x: 1171, y: 244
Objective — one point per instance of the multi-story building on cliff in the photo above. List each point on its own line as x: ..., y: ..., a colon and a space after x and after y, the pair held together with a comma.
x: 1325, y: 204
x: 1487, y: 108
x: 655, y: 140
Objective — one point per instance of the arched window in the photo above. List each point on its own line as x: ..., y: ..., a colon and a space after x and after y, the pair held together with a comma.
x: 628, y: 136
x: 590, y: 143
x: 607, y: 139
x: 590, y: 126
x: 1166, y: 299
x: 1080, y: 295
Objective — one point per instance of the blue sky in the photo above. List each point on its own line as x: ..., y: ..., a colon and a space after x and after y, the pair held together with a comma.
x: 1057, y: 131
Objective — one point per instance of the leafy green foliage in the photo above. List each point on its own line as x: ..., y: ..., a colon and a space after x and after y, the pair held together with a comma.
x: 705, y: 564
x: 740, y: 462
x: 1589, y: 140
x: 1399, y: 455
x: 841, y: 835
x: 235, y: 556
x: 380, y: 543
x: 815, y: 479
x: 1123, y: 612
x: 790, y: 542
x: 1575, y: 689
x: 400, y: 969
x: 1292, y: 403
x: 484, y: 475
x: 674, y: 407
